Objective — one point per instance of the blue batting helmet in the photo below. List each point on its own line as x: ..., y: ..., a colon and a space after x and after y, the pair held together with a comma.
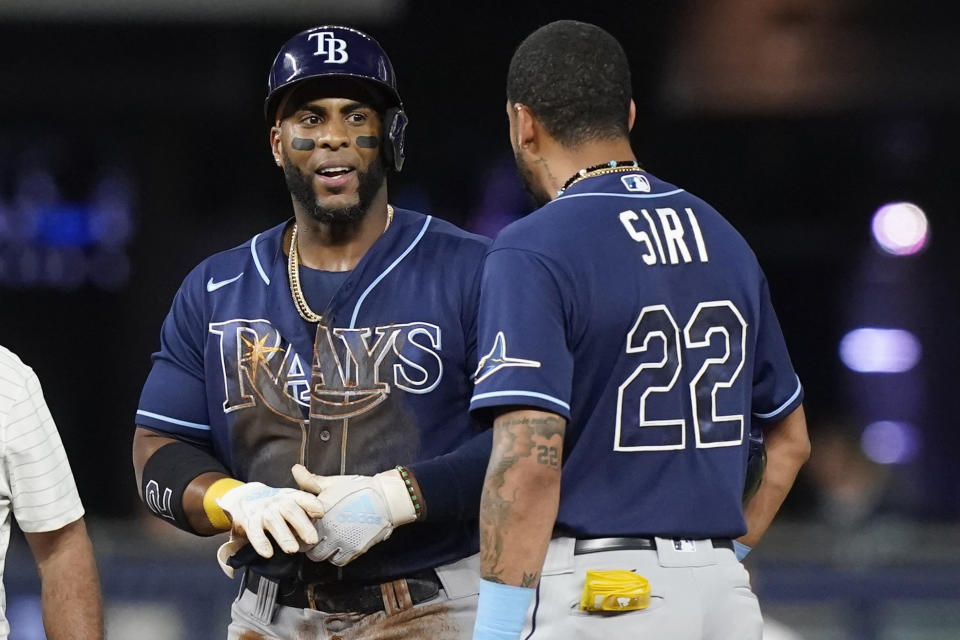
x: 335, y: 51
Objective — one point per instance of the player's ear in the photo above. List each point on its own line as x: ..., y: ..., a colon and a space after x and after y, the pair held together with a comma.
x: 633, y: 115
x: 275, y: 145
x: 527, y: 130
x: 512, y: 122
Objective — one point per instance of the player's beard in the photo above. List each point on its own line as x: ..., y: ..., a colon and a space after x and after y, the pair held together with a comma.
x: 300, y: 186
x: 536, y: 193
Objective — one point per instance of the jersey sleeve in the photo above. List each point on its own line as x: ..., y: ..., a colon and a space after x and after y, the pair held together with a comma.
x: 174, y: 396
x: 451, y: 484
x: 469, y: 318
x: 525, y: 358
x: 776, y: 387
x: 42, y: 489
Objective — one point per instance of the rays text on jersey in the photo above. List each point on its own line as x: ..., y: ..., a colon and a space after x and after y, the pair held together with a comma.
x: 352, y: 370
x: 664, y: 235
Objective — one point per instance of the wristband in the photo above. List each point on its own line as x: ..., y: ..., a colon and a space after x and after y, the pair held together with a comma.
x: 215, y: 514
x: 166, y: 475
x: 741, y: 550
x: 413, y: 489
x: 501, y: 611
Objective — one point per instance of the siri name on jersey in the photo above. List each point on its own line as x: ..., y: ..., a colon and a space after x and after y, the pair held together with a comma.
x: 668, y: 237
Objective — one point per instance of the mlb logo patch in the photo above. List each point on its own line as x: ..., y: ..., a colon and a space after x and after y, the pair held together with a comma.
x: 636, y: 182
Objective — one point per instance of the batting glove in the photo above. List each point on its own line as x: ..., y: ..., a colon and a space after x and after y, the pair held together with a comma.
x: 227, y: 550
x: 254, y: 509
x: 359, y: 512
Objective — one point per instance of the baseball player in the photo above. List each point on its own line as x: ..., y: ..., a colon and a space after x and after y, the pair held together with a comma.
x: 37, y: 486
x: 628, y: 345
x: 332, y: 353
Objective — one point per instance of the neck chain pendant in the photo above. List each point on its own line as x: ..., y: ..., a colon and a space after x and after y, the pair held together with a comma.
x: 293, y: 274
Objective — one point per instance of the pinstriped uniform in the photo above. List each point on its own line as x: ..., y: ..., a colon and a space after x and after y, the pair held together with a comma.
x: 36, y: 483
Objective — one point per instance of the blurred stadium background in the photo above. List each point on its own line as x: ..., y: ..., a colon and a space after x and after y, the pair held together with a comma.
x: 132, y: 145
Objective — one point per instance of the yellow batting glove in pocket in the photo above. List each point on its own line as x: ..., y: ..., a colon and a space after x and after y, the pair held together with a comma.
x: 615, y: 590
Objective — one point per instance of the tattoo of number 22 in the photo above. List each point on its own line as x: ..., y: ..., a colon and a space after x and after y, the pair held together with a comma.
x: 517, y: 439
x: 549, y: 456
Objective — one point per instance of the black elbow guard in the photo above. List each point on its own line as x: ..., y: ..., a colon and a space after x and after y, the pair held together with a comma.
x: 166, y: 475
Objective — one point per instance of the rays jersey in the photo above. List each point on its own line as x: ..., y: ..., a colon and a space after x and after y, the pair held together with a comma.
x: 383, y: 380
x: 635, y: 311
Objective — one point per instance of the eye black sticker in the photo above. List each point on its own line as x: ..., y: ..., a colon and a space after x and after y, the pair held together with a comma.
x: 303, y: 144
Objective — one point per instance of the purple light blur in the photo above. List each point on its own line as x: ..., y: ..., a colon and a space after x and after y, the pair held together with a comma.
x: 890, y: 442
x: 872, y: 350
x: 900, y: 228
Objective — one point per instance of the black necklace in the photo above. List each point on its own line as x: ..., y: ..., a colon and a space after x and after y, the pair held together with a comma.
x: 598, y: 169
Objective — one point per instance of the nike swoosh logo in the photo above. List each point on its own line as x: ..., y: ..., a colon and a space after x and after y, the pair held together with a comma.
x: 213, y: 286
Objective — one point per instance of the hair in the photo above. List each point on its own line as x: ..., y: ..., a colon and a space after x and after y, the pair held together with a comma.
x: 575, y: 78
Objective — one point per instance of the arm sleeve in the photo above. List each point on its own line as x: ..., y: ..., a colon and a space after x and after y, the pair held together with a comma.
x: 173, y: 399
x: 776, y: 388
x: 525, y: 358
x: 43, y: 491
x: 451, y: 484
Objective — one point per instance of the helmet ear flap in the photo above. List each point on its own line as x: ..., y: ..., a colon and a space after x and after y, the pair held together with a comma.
x: 395, y: 130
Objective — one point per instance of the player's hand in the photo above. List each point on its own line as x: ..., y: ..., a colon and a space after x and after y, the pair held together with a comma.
x: 254, y: 509
x: 359, y: 512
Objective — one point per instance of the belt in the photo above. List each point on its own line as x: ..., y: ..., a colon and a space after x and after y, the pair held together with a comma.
x: 354, y: 598
x: 595, y: 545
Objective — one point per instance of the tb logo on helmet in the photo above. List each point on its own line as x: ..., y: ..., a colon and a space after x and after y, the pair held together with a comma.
x: 334, y: 48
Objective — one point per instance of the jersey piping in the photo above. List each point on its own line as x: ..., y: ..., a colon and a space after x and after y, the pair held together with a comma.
x: 529, y: 394
x: 256, y: 259
x: 782, y: 406
x: 621, y: 195
x: 363, y: 296
x: 182, y: 423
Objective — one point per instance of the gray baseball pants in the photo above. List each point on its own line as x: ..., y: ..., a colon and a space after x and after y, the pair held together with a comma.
x: 449, y: 616
x: 697, y: 593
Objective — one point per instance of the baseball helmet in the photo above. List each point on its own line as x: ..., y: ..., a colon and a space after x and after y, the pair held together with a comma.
x: 333, y: 51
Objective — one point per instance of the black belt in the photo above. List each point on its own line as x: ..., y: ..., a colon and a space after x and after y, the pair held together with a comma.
x: 595, y: 545
x: 338, y: 597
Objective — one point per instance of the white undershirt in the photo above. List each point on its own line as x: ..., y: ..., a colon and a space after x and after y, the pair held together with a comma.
x: 35, y: 478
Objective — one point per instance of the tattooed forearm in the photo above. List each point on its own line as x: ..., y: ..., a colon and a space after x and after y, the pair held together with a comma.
x: 494, y: 509
x: 545, y: 427
x: 520, y: 496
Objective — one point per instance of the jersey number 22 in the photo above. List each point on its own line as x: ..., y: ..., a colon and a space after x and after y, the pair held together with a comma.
x: 657, y: 335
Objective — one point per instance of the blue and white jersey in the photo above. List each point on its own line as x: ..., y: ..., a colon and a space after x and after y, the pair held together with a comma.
x: 383, y: 380
x: 633, y: 309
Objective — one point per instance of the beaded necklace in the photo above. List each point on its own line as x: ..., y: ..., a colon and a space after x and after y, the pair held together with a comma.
x: 598, y: 170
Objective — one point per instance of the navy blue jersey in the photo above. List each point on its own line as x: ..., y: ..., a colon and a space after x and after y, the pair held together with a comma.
x: 634, y: 310
x: 383, y: 380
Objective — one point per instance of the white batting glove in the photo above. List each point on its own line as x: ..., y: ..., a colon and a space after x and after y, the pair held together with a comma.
x: 227, y: 550
x: 359, y: 512
x: 254, y: 508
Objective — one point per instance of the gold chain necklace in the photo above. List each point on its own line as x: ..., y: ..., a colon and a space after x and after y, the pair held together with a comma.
x: 293, y: 274
x: 598, y: 170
